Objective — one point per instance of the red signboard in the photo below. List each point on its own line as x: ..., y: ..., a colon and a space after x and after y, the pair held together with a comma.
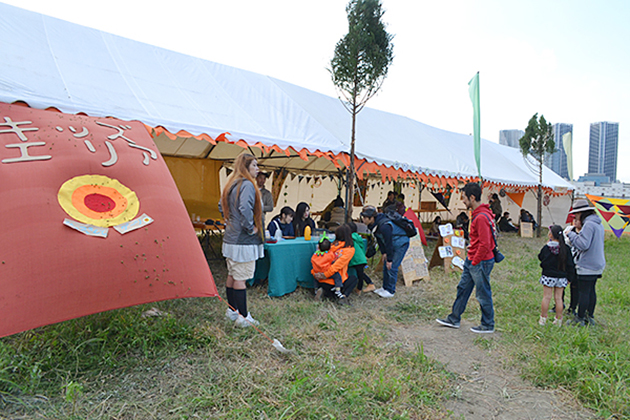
x: 91, y: 220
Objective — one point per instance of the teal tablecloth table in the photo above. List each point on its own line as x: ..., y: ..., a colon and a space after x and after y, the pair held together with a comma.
x: 286, y: 264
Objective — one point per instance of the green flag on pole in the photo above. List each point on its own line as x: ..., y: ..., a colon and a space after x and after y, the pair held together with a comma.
x: 473, y: 91
x: 567, y: 143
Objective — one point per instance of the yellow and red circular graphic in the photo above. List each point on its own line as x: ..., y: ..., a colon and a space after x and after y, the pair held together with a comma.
x: 98, y: 200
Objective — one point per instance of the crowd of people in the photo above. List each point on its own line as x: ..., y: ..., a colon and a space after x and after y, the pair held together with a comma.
x: 572, y: 257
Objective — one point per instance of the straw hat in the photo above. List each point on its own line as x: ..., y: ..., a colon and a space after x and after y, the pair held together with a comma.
x: 580, y: 206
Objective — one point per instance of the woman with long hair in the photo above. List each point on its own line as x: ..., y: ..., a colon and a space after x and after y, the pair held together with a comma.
x: 343, y: 248
x: 241, y: 206
x: 302, y: 219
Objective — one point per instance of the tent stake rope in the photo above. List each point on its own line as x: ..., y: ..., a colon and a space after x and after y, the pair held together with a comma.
x: 275, y: 342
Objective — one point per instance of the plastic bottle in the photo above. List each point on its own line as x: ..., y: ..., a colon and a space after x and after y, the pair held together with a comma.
x: 307, y: 233
x: 278, y: 234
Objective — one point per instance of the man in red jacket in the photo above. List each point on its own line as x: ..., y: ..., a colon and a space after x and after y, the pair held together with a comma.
x: 478, y: 265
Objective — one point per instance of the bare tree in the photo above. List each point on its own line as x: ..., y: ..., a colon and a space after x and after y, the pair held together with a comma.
x: 360, y: 66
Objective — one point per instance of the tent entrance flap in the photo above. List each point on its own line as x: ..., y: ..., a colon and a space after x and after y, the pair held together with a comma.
x: 198, y: 183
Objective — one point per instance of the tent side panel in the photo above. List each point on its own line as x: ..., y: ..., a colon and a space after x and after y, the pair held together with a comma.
x: 198, y: 183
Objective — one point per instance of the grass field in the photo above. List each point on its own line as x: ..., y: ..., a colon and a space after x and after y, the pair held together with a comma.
x: 193, y: 363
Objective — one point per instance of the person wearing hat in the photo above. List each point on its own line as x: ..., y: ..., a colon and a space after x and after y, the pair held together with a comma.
x: 590, y: 260
x: 267, y: 199
x: 393, y: 243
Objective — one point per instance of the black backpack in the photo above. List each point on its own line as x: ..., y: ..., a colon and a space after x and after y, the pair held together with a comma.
x: 402, y: 222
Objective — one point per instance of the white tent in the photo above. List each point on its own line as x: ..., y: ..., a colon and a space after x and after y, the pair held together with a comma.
x: 47, y: 62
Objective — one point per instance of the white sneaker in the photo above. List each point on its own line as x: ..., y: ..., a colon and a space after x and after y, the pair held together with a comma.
x: 378, y: 291
x: 385, y: 294
x: 246, y: 322
x: 231, y: 315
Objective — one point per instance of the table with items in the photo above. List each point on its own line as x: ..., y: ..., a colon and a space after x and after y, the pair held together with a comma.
x: 287, y: 264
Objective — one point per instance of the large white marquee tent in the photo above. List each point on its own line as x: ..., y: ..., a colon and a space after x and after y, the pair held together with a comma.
x: 199, y: 109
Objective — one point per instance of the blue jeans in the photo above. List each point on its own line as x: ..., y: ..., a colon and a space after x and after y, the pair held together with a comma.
x: 475, y: 276
x: 390, y: 277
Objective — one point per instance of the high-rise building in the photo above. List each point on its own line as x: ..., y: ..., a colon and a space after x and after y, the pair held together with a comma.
x: 603, y: 146
x: 510, y: 137
x: 557, y: 161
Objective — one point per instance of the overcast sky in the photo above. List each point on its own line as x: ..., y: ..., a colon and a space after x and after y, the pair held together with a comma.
x: 565, y: 59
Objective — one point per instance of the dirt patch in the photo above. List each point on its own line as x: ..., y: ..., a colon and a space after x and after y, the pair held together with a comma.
x: 485, y: 389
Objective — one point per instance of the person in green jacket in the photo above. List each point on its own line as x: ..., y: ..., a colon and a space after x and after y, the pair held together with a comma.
x: 359, y: 261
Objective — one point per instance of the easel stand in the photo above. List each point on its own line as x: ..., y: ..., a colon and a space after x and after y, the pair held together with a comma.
x: 447, y: 262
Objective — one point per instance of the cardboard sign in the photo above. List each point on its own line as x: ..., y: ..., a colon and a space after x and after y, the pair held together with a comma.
x: 414, y: 264
x: 527, y: 230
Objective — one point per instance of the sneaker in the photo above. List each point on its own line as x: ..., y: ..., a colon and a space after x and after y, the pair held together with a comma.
x: 542, y: 320
x: 318, y: 294
x: 447, y: 323
x: 369, y: 288
x: 384, y: 294
x: 231, y: 315
x: 246, y: 322
x: 577, y: 321
x: 378, y: 291
x: 557, y: 322
x: 482, y: 330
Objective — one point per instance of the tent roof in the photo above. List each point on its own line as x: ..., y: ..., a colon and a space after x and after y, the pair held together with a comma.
x: 48, y: 62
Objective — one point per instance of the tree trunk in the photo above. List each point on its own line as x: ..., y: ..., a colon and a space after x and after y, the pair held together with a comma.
x: 350, y: 186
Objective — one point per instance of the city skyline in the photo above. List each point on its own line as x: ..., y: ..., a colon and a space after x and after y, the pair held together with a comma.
x: 557, y: 161
x: 603, y: 149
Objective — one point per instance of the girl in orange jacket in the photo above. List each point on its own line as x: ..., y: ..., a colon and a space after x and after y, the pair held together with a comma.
x: 342, y: 251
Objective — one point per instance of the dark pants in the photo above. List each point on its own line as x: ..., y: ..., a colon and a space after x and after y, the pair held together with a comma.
x: 361, y: 276
x: 475, y: 276
x: 588, y: 297
x: 575, y: 296
x: 348, y: 287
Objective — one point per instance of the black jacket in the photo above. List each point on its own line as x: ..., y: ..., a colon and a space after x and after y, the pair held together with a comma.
x: 384, y: 231
x: 549, y: 257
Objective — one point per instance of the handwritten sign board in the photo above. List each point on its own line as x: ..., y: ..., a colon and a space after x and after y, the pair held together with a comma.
x: 450, y: 250
x: 414, y: 264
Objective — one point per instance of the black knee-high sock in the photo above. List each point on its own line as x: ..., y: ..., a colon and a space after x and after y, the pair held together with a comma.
x: 229, y: 292
x: 240, y: 300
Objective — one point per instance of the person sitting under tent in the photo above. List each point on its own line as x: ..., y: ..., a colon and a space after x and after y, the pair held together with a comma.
x: 505, y: 223
x: 527, y: 217
x: 333, y: 215
x: 343, y: 250
x: 391, y: 200
x: 283, y: 222
x: 435, y: 227
x: 302, y: 219
x: 495, y: 206
x: 461, y: 222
